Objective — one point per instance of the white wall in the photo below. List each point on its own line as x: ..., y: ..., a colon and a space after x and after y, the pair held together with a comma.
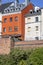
x: 32, y: 33
x: 42, y: 24
x: 32, y: 18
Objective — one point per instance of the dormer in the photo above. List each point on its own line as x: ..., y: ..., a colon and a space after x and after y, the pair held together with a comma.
x: 31, y: 11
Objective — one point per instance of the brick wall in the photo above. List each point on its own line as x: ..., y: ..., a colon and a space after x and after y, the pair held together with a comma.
x: 20, y: 24
x: 24, y: 12
x: 5, y: 45
x: 29, y: 44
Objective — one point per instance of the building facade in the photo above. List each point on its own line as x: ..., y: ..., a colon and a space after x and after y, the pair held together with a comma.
x: 13, y: 20
x: 34, y: 25
x: 0, y: 24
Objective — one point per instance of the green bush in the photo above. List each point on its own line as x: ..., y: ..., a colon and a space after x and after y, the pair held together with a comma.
x: 23, y: 57
x: 22, y: 62
x: 36, y: 58
x: 18, y: 55
x: 4, y: 60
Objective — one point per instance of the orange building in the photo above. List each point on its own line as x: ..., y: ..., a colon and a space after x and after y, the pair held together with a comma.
x: 13, y: 23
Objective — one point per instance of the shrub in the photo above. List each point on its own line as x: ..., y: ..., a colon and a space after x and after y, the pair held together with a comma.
x: 36, y: 58
x: 16, y: 57
x: 22, y: 62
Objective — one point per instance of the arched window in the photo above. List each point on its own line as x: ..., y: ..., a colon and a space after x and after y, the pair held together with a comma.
x: 16, y: 18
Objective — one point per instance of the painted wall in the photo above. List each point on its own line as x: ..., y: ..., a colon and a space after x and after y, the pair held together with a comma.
x: 12, y: 24
x: 30, y: 28
x: 42, y: 24
x: 32, y: 18
x: 20, y: 23
x: 24, y: 12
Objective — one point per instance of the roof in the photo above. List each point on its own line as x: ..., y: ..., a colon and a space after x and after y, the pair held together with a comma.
x: 3, y: 6
x: 6, y: 8
x: 33, y: 14
x: 42, y: 8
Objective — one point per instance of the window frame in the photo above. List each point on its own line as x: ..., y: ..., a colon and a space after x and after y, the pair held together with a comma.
x: 5, y: 20
x: 11, y: 19
x: 29, y: 28
x: 37, y: 27
x: 10, y: 29
x: 4, y: 29
x: 37, y: 38
x: 15, y: 28
x: 37, y: 19
x: 16, y: 18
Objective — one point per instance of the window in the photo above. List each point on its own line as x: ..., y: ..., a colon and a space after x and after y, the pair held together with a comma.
x: 11, y: 19
x: 5, y: 11
x: 37, y: 38
x: 19, y: 8
x: 5, y: 20
x: 16, y: 18
x: 0, y: 21
x: 10, y: 29
x: 37, y: 10
x: 4, y: 29
x: 31, y: 11
x: 29, y: 18
x: 15, y: 28
x: 16, y: 8
x: 8, y: 10
x: 36, y: 19
x: 29, y: 29
x: 11, y: 10
x: 37, y: 28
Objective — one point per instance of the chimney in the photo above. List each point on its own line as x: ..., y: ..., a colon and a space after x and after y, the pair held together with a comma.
x: 27, y: 2
x: 16, y: 3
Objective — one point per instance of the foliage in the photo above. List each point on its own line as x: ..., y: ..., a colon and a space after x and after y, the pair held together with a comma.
x: 22, y: 62
x: 36, y: 58
x: 23, y: 57
x: 19, y: 55
x: 16, y: 57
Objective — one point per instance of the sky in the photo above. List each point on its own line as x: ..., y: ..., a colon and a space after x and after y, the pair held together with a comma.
x: 35, y: 2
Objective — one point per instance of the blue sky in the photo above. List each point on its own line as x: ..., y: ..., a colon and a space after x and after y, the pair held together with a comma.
x: 35, y: 2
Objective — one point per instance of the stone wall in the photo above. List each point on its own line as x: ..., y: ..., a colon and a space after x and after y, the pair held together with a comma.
x: 29, y: 44
x: 5, y: 44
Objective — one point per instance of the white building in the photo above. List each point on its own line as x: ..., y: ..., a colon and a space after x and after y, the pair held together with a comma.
x: 0, y: 24
x: 34, y: 25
